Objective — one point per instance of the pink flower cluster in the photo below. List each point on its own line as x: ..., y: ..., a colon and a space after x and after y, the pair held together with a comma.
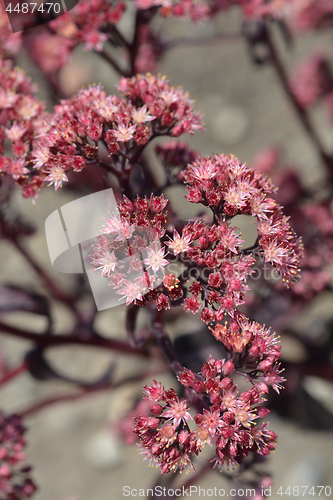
x: 212, y: 250
x: 312, y: 221
x: 227, y: 419
x: 171, y: 106
x: 21, y: 118
x: 129, y: 252
x: 230, y: 188
x: 15, y: 482
x: 10, y: 43
x: 88, y: 22
x: 50, y: 47
x: 69, y: 139
x: 47, y: 49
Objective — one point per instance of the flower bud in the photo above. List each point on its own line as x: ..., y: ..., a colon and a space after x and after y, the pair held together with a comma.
x: 228, y: 368
x: 262, y: 412
x: 156, y: 409
x: 226, y: 383
x: 199, y: 386
x: 183, y: 437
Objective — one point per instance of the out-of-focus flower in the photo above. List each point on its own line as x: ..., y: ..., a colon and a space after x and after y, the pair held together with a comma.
x: 312, y: 80
x: 15, y: 480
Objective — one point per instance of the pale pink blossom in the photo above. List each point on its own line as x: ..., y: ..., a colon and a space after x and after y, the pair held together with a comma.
x: 15, y: 132
x: 155, y: 259
x: 119, y: 227
x: 40, y: 156
x: 177, y: 412
x: 56, y: 176
x: 107, y: 263
x: 141, y: 115
x: 124, y: 133
x: 179, y: 243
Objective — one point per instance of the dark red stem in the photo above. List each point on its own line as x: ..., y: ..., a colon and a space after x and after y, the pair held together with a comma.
x: 86, y: 392
x: 52, y: 287
x: 14, y: 373
x: 46, y: 341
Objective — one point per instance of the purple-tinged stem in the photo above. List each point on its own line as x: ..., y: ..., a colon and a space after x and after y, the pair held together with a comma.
x: 52, y: 287
x: 164, y: 343
x: 74, y: 396
x: 14, y: 373
x: 46, y: 341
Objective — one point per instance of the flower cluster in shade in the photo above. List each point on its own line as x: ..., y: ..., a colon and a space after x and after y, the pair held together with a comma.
x: 15, y: 480
x: 47, y: 147
x: 171, y: 437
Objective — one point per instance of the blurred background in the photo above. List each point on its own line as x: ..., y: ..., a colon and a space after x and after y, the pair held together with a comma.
x: 75, y: 447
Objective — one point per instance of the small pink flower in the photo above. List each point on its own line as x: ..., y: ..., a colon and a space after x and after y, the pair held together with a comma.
x: 177, y: 412
x: 210, y: 420
x: 18, y: 169
x: 107, y: 263
x: 118, y: 227
x: 124, y: 133
x: 155, y: 259
x: 56, y: 176
x: 131, y: 291
x: 192, y: 304
x: 141, y: 115
x: 40, y: 156
x: 15, y: 132
x: 179, y: 243
x: 94, y: 40
x: 155, y: 392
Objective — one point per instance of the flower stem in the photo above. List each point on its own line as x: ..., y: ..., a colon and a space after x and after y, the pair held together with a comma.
x: 14, y: 373
x: 164, y: 343
x: 52, y: 287
x: 46, y: 341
